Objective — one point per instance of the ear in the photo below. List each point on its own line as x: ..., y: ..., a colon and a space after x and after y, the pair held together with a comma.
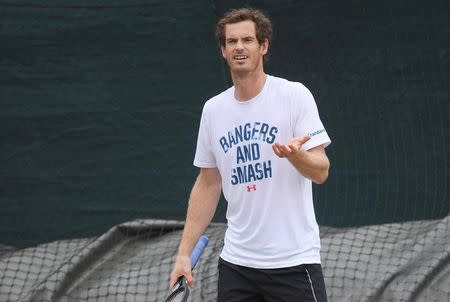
x: 222, y: 48
x: 264, y: 47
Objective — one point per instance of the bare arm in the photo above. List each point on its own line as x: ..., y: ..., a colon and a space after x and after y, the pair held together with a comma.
x: 203, y: 202
x: 312, y: 163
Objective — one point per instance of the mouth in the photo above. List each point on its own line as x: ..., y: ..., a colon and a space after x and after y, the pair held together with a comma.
x: 240, y: 57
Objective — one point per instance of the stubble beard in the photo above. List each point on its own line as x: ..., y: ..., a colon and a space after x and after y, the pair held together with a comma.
x: 243, y: 72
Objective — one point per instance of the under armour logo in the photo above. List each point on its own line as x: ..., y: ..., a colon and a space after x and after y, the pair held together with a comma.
x: 251, y: 188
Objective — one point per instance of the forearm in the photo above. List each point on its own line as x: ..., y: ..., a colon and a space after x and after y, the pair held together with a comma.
x: 312, y: 165
x: 202, y: 206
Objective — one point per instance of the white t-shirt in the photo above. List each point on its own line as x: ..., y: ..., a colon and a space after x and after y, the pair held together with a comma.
x: 270, y: 214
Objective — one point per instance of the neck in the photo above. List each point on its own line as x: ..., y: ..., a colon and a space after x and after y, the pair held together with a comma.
x: 249, y: 85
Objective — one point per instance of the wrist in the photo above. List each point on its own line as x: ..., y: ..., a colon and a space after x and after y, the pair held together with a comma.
x: 182, y: 253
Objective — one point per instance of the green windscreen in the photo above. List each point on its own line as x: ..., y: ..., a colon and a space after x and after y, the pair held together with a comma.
x: 101, y: 100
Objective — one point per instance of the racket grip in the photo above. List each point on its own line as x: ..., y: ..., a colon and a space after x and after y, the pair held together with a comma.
x: 198, y: 250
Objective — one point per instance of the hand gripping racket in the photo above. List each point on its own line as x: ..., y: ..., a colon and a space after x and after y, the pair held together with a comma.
x: 180, y: 291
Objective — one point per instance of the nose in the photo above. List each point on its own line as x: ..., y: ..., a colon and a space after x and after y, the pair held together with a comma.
x: 239, y: 44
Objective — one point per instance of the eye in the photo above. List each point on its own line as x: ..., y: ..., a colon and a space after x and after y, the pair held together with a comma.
x: 231, y: 41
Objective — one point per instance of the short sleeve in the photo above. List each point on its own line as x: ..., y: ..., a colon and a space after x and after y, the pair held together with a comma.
x: 204, y: 156
x: 308, y: 120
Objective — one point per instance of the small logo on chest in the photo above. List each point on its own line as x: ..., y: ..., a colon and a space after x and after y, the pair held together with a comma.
x: 251, y: 188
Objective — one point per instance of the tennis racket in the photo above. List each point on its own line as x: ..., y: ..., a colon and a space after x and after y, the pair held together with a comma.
x: 180, y: 291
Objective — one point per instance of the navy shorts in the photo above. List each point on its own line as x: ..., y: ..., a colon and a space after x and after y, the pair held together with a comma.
x: 298, y: 283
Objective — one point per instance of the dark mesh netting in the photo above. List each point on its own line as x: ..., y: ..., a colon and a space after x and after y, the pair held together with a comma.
x: 407, y: 261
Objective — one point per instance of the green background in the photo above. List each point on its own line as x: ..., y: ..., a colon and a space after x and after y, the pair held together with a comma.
x: 101, y: 100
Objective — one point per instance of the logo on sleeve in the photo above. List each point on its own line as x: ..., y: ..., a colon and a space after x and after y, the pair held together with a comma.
x: 316, y: 132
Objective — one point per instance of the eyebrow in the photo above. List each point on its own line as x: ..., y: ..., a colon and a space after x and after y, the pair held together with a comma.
x: 246, y: 38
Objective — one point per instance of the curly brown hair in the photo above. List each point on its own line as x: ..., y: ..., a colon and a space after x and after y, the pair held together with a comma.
x: 263, y: 26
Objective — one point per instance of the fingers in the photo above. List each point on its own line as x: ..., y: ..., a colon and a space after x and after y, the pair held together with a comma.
x: 286, y: 150
x: 277, y: 150
x: 283, y: 150
x: 291, y: 148
x: 173, y: 279
x: 182, y: 268
x: 304, y: 139
x: 189, y: 277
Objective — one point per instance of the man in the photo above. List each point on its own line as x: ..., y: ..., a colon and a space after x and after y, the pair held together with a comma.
x: 262, y: 143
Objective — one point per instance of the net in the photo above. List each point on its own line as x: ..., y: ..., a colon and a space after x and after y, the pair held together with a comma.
x: 132, y: 262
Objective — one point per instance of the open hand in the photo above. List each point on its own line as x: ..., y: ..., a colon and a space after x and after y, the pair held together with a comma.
x: 291, y: 148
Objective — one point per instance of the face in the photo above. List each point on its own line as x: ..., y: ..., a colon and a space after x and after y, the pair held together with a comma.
x: 242, y: 50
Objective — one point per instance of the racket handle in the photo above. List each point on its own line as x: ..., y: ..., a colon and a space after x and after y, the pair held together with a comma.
x: 198, y: 250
